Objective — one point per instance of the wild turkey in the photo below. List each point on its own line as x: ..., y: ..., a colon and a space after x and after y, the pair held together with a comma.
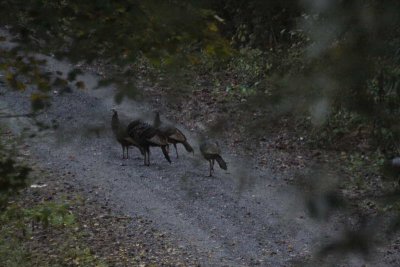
x: 146, y: 136
x: 173, y: 134
x: 211, y: 152
x: 122, y: 136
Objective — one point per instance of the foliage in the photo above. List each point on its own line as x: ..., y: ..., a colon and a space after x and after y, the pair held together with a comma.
x: 19, y: 225
x: 259, y: 24
x: 347, y: 64
x: 171, y: 34
x: 117, y: 32
x: 13, y: 177
x: 21, y: 69
x: 336, y: 62
x: 42, y: 215
x: 293, y: 55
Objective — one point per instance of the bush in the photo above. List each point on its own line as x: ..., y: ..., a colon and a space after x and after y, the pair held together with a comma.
x: 13, y: 177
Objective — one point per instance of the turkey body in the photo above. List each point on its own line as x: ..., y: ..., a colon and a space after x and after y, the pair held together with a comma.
x: 146, y: 136
x: 174, y: 135
x: 121, y: 135
x: 211, y: 152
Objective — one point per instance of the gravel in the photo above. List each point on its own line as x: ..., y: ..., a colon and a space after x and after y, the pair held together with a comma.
x: 244, y: 216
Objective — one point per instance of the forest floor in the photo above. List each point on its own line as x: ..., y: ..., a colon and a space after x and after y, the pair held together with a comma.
x: 173, y: 214
x: 97, y: 234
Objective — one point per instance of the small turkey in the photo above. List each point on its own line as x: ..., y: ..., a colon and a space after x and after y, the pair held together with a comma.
x: 211, y: 152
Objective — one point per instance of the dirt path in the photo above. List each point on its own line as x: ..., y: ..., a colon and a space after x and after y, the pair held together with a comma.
x: 246, y: 216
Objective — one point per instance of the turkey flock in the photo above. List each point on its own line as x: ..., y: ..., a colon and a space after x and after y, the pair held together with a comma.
x: 142, y: 135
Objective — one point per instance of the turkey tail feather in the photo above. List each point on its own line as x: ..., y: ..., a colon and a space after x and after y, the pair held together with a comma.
x: 187, y: 146
x: 221, y: 162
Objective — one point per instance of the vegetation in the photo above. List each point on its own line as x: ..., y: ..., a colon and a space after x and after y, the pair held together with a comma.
x: 13, y: 174
x: 332, y: 67
x: 22, y: 225
x: 12, y: 178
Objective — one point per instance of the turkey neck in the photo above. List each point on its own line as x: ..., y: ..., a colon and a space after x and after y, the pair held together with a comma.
x: 157, y: 121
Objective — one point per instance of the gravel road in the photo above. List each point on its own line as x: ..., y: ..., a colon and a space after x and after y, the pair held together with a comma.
x: 243, y: 217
